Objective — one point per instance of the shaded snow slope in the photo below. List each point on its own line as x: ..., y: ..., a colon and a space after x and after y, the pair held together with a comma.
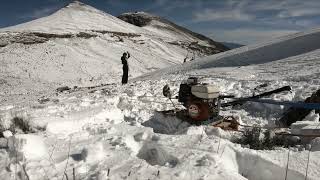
x: 273, y: 50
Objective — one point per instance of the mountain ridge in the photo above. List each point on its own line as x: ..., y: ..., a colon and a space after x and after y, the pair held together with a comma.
x: 143, y: 19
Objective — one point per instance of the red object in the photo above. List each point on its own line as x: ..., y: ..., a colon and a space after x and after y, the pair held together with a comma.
x: 198, y: 111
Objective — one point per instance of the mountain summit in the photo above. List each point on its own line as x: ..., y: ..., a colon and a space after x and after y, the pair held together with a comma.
x: 75, y: 17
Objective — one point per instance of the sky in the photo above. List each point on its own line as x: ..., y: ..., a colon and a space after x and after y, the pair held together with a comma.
x: 237, y: 21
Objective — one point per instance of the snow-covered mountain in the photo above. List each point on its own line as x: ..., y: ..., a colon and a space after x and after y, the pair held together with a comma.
x: 79, y: 46
x: 75, y: 17
x: 175, y: 33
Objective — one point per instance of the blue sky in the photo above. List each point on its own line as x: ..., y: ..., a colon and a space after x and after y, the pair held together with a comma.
x: 239, y: 21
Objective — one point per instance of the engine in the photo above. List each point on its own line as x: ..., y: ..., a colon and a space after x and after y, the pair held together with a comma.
x: 200, y: 100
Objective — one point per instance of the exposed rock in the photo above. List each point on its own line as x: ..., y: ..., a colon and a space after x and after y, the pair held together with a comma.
x: 63, y: 88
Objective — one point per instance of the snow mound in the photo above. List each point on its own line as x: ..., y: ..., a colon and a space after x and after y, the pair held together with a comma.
x: 312, y: 116
x: 31, y: 147
x: 166, y: 124
x: 65, y: 126
x: 156, y: 155
x: 93, y: 153
x: 309, y: 125
x: 207, y: 160
x: 253, y: 165
x: 216, y: 131
x: 7, y: 134
x: 132, y: 144
x: 196, y: 130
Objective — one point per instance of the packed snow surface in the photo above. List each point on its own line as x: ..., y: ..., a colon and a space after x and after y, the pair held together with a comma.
x: 114, y: 131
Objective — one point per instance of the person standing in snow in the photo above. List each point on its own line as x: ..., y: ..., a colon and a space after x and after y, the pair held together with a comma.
x: 125, y: 67
x: 185, y: 59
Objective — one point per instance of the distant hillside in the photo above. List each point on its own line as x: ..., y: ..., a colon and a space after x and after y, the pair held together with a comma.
x: 232, y: 45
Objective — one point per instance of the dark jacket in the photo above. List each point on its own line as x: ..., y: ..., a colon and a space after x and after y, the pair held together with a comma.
x: 124, y: 59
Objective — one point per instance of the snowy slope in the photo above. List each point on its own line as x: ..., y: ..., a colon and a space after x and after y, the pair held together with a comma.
x: 80, y: 46
x: 273, y: 50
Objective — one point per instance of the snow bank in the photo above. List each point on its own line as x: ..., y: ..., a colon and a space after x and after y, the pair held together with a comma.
x: 252, y: 165
x: 156, y: 155
x: 77, y: 122
x: 93, y: 153
x: 309, y: 125
x: 31, y: 147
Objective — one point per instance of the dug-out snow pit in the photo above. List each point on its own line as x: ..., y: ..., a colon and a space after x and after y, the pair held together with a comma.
x: 155, y: 155
x: 166, y: 124
x: 253, y: 166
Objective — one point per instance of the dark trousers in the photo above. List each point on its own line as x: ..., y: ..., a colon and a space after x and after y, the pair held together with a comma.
x: 125, y: 74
